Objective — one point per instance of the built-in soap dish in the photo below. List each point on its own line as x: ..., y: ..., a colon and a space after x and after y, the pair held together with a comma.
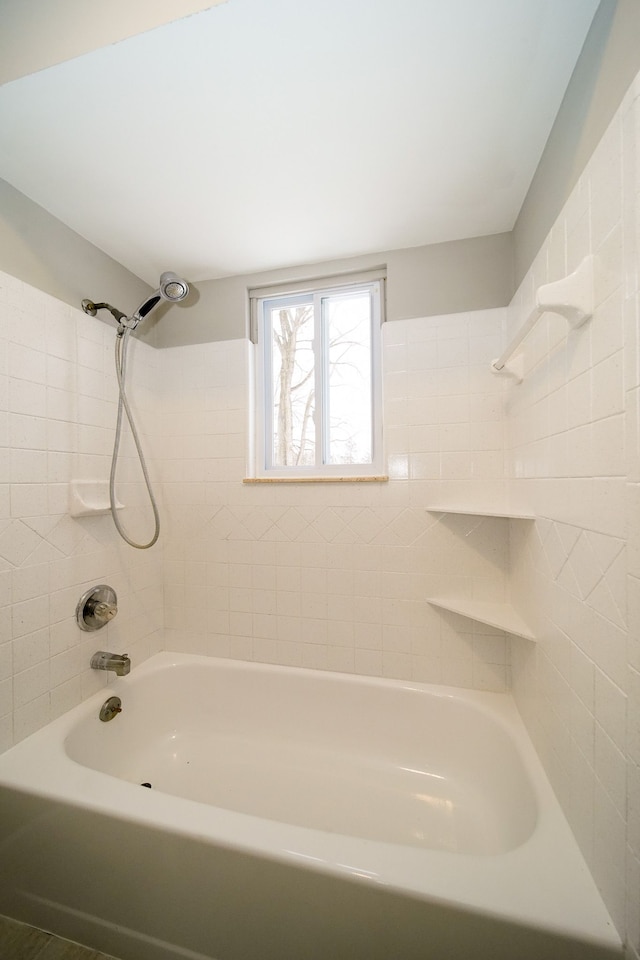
x: 90, y: 498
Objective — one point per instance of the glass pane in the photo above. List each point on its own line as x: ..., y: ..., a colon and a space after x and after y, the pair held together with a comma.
x: 293, y: 385
x: 348, y: 332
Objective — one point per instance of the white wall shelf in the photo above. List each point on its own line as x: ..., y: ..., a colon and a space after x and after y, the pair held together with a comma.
x: 479, y: 512
x: 90, y: 498
x: 502, y: 616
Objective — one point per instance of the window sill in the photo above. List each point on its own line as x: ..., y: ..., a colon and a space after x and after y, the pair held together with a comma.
x: 377, y: 479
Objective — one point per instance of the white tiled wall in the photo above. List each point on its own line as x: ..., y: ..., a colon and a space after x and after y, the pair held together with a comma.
x: 336, y: 576
x: 57, y: 414
x: 327, y: 576
x: 574, y: 453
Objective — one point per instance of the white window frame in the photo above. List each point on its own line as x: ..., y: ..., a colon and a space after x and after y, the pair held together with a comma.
x: 316, y: 292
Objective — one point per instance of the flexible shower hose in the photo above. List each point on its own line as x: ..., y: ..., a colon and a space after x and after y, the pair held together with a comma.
x: 123, y: 404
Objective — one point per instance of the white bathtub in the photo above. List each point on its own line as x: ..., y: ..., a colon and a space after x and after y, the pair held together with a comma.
x: 293, y: 815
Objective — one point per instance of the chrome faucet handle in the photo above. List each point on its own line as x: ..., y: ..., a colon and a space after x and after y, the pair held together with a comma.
x: 101, y: 610
x: 96, y: 607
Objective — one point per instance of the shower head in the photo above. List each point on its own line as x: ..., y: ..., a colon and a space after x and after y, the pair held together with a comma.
x: 172, y: 288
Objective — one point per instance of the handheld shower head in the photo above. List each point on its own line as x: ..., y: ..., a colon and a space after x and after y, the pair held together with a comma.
x: 172, y: 288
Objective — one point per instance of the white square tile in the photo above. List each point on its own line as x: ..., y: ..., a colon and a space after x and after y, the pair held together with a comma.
x: 31, y: 684
x: 27, y: 397
x: 31, y: 716
x: 29, y: 499
x: 26, y: 363
x: 611, y: 709
x: 608, y: 439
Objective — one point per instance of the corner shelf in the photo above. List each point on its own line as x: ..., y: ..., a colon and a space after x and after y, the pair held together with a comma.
x: 475, y: 512
x: 502, y: 616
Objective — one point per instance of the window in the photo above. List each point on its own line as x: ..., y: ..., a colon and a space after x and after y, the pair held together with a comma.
x: 318, y: 382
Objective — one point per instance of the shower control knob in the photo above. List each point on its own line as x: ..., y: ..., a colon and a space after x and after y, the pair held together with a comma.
x: 101, y: 610
x: 96, y: 607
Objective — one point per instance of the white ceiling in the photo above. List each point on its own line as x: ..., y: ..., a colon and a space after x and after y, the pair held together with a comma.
x: 266, y: 133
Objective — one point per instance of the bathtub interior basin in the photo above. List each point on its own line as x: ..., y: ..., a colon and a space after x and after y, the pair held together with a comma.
x: 293, y: 813
x: 394, y: 764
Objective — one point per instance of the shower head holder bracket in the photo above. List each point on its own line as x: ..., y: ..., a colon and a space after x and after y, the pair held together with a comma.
x: 127, y: 323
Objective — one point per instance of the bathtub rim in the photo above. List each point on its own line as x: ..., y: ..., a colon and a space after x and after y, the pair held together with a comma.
x: 514, y: 885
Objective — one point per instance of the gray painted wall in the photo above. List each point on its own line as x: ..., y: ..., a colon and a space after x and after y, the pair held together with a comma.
x: 37, y: 248
x: 421, y: 281
x: 609, y: 61
x: 37, y: 34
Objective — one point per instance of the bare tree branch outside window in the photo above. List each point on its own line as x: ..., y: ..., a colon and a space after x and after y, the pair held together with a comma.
x: 293, y: 385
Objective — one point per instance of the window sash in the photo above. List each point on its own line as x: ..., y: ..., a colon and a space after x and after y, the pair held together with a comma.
x: 321, y: 299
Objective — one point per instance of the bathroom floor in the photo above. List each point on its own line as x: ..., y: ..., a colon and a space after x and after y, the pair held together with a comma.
x: 20, y: 942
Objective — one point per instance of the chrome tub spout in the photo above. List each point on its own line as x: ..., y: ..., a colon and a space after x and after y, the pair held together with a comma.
x: 118, y: 662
